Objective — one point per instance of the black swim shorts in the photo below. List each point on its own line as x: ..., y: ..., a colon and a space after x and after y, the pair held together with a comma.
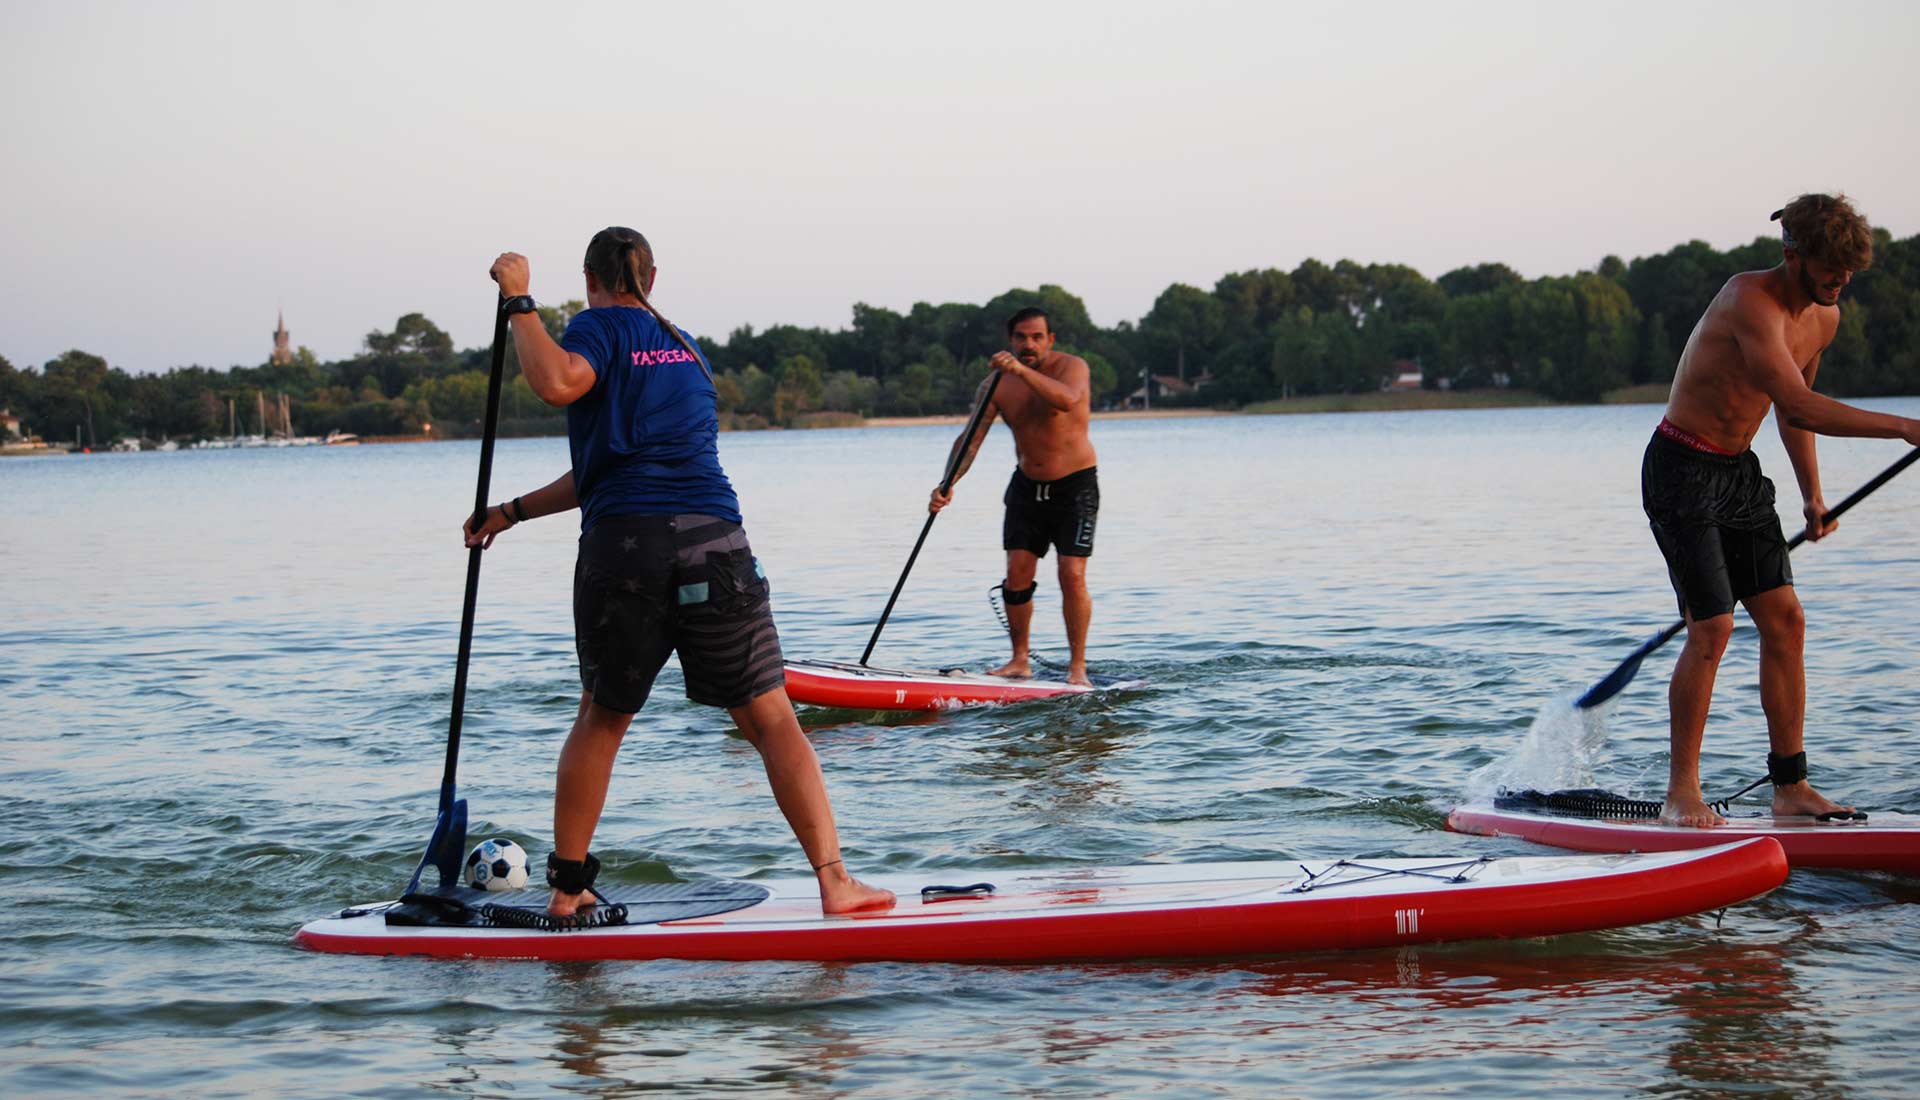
x: 1060, y: 513
x: 646, y: 586
x: 1714, y: 519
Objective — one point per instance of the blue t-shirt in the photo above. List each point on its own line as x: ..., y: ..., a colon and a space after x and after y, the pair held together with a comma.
x: 645, y: 439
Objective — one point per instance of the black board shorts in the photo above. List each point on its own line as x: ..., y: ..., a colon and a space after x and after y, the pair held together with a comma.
x: 645, y: 587
x: 1060, y: 513
x: 1714, y: 519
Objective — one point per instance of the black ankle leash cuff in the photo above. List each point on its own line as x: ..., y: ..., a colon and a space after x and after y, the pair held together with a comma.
x: 572, y: 876
x: 1785, y: 771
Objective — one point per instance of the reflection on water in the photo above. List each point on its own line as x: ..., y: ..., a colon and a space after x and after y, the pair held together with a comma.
x: 212, y: 731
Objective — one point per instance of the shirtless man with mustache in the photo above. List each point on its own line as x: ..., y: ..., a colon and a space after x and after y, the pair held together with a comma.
x: 1054, y: 496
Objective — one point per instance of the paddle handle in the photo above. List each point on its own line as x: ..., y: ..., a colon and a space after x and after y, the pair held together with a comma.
x: 1859, y: 494
x: 946, y: 486
x: 489, y: 432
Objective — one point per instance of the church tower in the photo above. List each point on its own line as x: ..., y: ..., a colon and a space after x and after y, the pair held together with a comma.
x: 282, y: 350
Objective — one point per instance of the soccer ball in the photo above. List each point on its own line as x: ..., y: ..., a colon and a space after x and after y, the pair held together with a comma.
x: 497, y: 864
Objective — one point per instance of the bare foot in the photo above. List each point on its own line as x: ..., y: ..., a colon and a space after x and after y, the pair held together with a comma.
x: 566, y: 905
x: 1801, y: 798
x: 1077, y: 674
x: 1016, y: 669
x: 1691, y: 811
x: 842, y: 893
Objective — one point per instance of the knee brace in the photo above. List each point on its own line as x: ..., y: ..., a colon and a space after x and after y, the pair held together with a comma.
x: 1016, y: 596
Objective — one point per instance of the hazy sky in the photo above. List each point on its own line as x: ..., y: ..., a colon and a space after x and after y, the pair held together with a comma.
x: 174, y: 173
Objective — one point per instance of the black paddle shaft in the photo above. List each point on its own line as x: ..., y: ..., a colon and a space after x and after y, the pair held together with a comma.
x: 946, y: 485
x: 1623, y: 673
x: 488, y: 433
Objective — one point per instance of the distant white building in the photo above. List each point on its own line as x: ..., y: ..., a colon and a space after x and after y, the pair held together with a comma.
x: 1406, y: 375
x: 1160, y: 386
x: 9, y: 425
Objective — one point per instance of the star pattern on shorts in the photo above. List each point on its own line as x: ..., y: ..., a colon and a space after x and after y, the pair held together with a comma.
x: 633, y: 673
x: 630, y: 585
x: 629, y: 543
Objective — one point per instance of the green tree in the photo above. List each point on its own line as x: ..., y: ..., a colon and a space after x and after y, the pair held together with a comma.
x: 846, y: 391
x: 729, y: 394
x: 1253, y: 301
x: 797, y: 388
x: 1657, y: 359
x: 19, y: 392
x: 1480, y: 279
x: 1184, y: 330
x: 416, y: 348
x: 1323, y: 289
x: 910, y: 391
x: 878, y: 341
x: 1102, y: 378
x: 76, y: 381
x: 455, y: 404
x: 759, y: 387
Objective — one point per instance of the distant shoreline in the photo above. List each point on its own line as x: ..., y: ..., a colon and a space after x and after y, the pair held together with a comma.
x: 1654, y: 393
x: 1107, y: 414
x: 1400, y: 401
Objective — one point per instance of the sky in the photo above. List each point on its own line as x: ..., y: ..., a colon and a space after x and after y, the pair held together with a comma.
x: 175, y: 174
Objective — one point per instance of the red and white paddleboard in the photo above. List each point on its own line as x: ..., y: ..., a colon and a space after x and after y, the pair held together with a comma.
x: 1117, y: 913
x: 859, y: 687
x: 1883, y: 842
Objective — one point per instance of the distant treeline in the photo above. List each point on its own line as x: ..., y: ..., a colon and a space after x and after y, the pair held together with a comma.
x: 1256, y: 335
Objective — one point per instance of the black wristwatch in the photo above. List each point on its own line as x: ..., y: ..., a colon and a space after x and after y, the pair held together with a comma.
x: 522, y: 303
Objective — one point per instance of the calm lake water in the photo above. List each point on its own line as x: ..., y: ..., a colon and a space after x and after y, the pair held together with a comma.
x: 224, y: 684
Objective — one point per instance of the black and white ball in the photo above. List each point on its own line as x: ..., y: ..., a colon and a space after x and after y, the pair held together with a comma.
x: 497, y: 864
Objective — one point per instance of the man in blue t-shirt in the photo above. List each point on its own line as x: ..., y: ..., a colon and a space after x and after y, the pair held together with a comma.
x: 664, y: 564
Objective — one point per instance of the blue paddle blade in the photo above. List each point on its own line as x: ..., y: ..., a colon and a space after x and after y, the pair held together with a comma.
x: 1616, y: 680
x: 1623, y: 674
x: 447, y: 849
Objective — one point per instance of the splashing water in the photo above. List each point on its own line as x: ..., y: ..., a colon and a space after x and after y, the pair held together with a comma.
x: 1560, y: 750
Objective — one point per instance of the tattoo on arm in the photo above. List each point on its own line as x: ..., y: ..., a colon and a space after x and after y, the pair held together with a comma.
x: 966, y: 455
x: 968, y: 445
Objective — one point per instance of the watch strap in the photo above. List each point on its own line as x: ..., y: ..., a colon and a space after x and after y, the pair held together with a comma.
x: 520, y: 303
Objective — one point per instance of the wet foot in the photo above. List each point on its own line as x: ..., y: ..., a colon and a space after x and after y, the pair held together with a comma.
x: 1800, y: 798
x: 1016, y: 669
x: 1691, y: 811
x: 1077, y: 674
x: 847, y: 894
x: 566, y: 905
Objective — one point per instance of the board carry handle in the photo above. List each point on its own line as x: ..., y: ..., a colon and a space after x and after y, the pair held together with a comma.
x: 931, y: 894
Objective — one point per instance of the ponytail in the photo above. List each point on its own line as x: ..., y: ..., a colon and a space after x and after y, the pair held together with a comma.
x: 623, y: 264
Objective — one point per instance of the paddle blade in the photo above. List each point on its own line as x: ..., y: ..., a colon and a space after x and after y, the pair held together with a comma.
x: 1623, y: 674
x: 447, y: 848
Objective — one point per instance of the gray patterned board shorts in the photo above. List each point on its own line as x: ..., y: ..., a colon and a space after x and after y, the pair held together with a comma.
x: 645, y: 587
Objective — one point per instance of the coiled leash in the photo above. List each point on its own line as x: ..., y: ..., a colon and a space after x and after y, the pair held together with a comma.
x: 1782, y: 771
